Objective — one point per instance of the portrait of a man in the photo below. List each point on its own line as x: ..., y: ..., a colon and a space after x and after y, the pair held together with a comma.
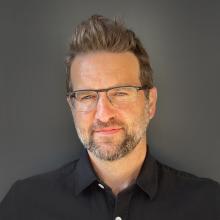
x: 112, y: 97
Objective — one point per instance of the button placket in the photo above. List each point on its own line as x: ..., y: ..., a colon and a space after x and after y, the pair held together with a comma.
x: 122, y: 203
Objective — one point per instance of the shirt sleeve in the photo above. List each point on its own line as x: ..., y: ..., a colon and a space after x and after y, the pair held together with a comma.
x: 9, y: 205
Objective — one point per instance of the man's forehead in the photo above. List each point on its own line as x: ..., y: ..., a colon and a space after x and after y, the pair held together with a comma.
x: 105, y: 68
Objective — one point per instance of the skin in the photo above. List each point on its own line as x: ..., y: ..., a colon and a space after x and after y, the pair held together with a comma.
x: 107, y: 125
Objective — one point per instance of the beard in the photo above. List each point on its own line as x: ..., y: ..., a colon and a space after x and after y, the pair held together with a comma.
x: 113, y: 148
x: 119, y: 145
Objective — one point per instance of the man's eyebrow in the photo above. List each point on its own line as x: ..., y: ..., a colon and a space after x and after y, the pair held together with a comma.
x: 122, y: 84
x: 114, y: 86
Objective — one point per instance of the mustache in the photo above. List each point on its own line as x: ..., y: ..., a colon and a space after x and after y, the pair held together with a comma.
x: 111, y: 123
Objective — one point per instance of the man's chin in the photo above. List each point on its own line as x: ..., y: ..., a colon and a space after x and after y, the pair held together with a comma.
x: 107, y: 147
x: 105, y: 151
x: 106, y: 156
x: 109, y: 151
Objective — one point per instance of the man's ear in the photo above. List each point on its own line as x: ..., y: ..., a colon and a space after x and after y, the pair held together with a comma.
x: 152, y: 101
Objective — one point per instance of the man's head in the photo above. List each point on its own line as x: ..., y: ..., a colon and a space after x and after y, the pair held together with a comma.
x: 102, y: 34
x: 110, y: 88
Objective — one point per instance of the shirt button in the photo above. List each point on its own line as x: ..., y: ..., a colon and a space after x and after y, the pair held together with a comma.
x: 101, y: 186
x: 118, y: 218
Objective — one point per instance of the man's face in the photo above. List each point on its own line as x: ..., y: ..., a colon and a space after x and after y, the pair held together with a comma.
x: 110, y: 132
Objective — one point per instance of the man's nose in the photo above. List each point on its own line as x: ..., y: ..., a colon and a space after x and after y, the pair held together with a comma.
x: 104, y: 109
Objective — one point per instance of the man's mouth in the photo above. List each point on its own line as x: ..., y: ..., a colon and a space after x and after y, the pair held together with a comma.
x: 107, y: 131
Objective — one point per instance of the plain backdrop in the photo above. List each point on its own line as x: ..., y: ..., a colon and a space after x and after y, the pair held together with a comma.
x: 36, y: 129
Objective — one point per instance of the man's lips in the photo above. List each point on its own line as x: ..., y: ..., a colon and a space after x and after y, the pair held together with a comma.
x: 110, y: 130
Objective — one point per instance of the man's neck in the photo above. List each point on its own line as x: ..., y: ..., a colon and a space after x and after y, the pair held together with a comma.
x: 119, y: 174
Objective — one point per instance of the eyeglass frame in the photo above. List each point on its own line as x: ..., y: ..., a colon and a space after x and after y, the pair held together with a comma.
x: 138, y: 88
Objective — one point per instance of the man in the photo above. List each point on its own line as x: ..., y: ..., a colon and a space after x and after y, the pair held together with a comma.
x: 112, y: 98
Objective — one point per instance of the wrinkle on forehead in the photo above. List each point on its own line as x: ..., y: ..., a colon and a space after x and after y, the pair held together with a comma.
x: 104, y: 69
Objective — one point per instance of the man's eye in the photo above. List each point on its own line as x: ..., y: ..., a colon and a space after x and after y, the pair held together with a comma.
x: 120, y: 94
x: 87, y: 97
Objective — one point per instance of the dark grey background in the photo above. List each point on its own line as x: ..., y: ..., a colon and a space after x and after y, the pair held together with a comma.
x: 36, y: 129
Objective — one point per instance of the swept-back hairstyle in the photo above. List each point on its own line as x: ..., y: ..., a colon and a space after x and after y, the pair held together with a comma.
x: 99, y: 33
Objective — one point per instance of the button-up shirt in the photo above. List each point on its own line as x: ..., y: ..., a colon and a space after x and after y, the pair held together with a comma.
x: 74, y: 192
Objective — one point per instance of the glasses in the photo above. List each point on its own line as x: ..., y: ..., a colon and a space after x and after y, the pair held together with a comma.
x: 86, y: 100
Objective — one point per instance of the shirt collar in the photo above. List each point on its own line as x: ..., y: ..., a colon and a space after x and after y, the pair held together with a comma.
x: 84, y: 174
x: 148, y: 177
x: 147, y: 180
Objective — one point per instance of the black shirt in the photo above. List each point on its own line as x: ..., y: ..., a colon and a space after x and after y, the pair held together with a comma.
x: 74, y: 192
